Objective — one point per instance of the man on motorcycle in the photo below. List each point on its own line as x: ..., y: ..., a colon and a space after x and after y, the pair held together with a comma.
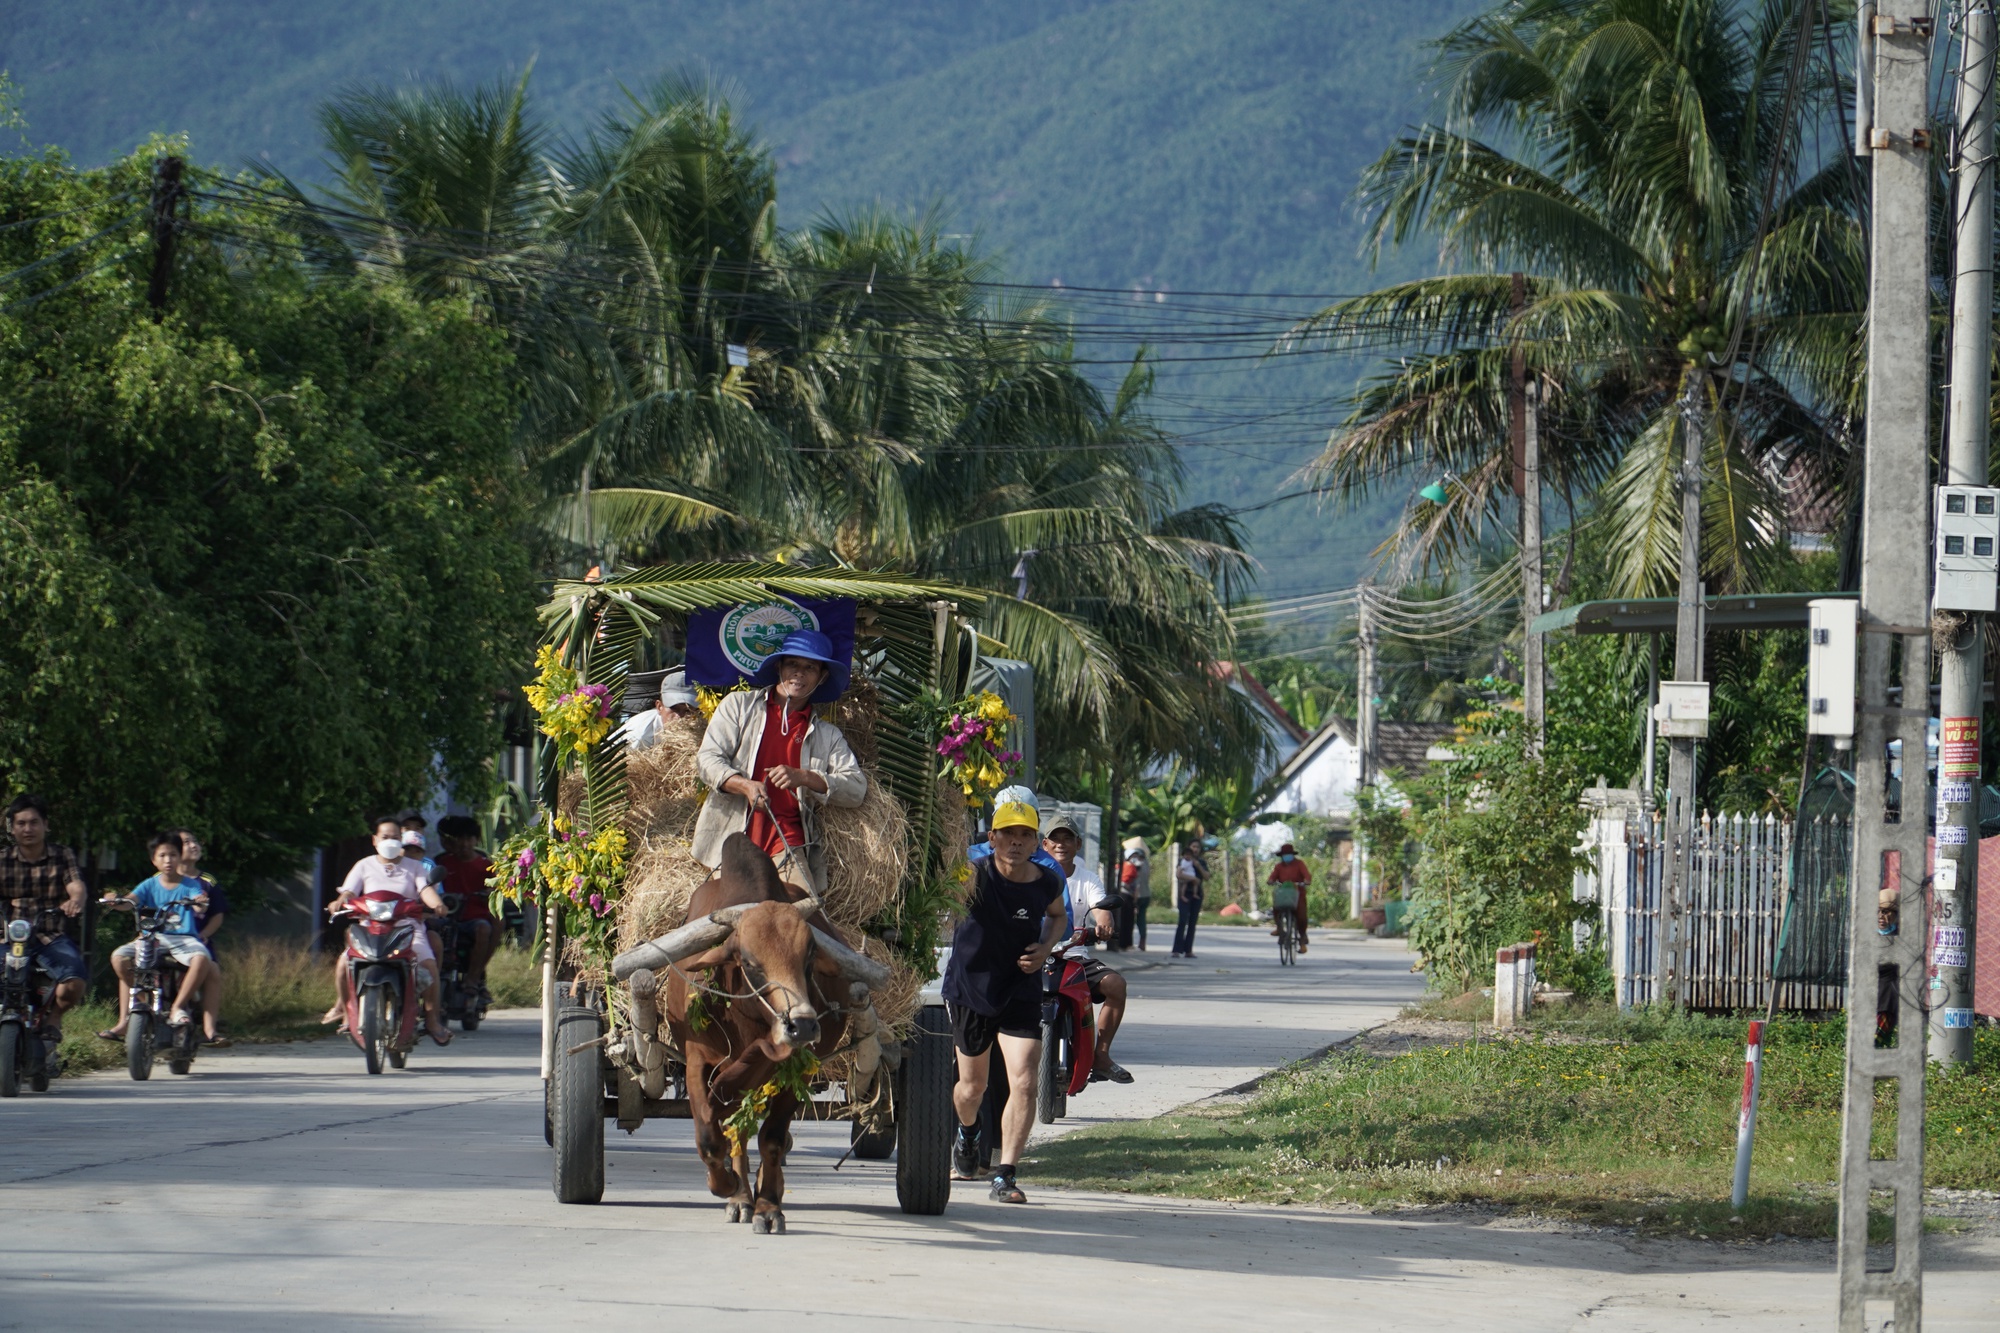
x: 390, y: 871
x: 992, y: 989
x: 37, y: 875
x: 182, y: 900
x: 1088, y: 906
x: 465, y: 870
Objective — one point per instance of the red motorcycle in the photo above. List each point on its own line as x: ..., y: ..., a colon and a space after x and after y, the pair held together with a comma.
x: 1069, y: 1031
x: 384, y: 1000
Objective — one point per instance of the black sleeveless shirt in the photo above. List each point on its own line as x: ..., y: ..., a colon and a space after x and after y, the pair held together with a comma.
x: 1003, y: 920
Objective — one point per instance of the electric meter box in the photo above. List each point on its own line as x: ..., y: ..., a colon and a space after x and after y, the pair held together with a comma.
x: 1968, y: 548
x: 1683, y: 708
x: 1830, y: 644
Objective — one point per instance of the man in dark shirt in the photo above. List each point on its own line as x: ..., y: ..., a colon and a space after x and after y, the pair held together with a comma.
x: 39, y: 876
x: 993, y: 988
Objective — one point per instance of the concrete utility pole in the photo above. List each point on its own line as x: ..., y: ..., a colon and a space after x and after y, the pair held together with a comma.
x: 1364, y: 726
x: 1534, y: 681
x: 1962, y: 664
x: 1669, y: 967
x: 1894, y: 57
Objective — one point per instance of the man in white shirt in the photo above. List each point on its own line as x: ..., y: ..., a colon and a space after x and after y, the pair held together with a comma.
x: 677, y: 699
x: 1090, y: 905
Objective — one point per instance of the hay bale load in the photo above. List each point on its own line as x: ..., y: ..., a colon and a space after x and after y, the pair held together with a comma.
x: 867, y: 848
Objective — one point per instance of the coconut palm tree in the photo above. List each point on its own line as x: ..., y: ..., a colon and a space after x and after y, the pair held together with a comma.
x: 699, y: 385
x: 1689, y: 268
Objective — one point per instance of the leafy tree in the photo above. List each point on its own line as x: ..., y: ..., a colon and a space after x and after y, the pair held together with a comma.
x: 1499, y: 828
x: 261, y: 560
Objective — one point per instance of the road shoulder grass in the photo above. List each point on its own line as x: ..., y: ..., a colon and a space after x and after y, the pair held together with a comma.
x: 1602, y: 1118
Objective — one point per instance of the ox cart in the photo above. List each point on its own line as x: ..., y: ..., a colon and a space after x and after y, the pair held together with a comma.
x: 609, y: 1053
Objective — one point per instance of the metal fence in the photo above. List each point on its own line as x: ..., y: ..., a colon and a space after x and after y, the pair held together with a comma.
x: 1739, y: 869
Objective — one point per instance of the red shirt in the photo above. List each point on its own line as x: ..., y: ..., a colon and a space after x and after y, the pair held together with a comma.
x: 467, y: 878
x: 783, y: 742
x: 1290, y: 872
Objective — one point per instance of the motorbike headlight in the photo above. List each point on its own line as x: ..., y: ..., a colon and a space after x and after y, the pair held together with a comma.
x: 17, y: 960
x: 362, y: 943
x: 19, y: 931
x: 381, y: 909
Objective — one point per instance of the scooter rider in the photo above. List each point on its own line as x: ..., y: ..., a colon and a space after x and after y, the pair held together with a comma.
x: 391, y: 871
x: 1088, y: 906
x: 992, y: 989
x: 37, y: 876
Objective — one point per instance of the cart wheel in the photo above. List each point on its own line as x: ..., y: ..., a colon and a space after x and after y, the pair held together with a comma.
x: 576, y: 1106
x: 875, y: 1147
x: 1052, y: 1080
x: 924, y: 1116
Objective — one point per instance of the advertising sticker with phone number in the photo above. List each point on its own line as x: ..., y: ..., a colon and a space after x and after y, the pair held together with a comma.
x: 1958, y: 747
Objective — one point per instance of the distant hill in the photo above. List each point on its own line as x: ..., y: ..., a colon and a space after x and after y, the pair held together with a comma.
x: 1184, y: 145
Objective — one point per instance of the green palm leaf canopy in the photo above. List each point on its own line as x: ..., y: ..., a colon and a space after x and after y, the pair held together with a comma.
x: 677, y: 589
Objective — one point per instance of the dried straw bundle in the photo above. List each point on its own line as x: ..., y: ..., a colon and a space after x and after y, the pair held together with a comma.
x: 866, y: 849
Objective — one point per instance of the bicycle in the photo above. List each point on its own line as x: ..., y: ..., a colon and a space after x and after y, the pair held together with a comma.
x: 1284, y: 906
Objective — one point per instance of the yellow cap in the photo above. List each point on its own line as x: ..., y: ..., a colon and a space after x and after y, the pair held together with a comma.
x: 1016, y: 814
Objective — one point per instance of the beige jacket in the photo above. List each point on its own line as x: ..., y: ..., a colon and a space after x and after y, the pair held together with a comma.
x: 729, y: 750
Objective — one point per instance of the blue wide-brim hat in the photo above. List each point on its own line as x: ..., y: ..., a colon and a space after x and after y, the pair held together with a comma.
x: 810, y: 644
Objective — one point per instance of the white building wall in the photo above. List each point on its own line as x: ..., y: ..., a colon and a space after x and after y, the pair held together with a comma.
x: 1325, y: 786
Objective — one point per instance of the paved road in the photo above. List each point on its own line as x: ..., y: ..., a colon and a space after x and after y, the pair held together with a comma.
x: 283, y: 1188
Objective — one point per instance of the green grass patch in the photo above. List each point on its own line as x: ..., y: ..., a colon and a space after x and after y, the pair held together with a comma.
x: 1618, y: 1119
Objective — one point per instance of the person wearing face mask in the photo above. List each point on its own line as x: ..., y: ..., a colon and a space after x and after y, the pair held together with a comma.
x: 1291, y: 870
x: 392, y: 871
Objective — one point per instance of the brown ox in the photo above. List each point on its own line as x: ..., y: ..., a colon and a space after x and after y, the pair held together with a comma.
x: 779, y: 979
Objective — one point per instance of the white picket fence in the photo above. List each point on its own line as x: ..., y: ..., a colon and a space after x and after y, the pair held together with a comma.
x: 1736, y: 900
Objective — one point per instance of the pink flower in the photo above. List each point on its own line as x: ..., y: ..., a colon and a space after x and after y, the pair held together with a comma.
x: 597, y: 903
x: 527, y: 858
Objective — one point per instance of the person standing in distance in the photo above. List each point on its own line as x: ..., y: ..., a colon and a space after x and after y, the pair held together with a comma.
x: 1188, y: 894
x: 1136, y: 880
x: 1013, y: 917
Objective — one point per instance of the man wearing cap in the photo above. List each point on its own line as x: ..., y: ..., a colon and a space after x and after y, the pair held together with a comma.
x: 1086, y: 904
x: 1291, y: 870
x: 1014, y: 915
x: 768, y: 762
x: 677, y: 699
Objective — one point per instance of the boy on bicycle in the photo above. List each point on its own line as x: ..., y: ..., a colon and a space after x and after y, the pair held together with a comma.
x: 1289, y: 878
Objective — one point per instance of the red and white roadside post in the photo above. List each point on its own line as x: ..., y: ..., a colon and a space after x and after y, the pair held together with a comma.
x: 1746, y: 1118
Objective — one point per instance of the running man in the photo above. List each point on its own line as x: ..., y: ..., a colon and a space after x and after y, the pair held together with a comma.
x: 993, y: 989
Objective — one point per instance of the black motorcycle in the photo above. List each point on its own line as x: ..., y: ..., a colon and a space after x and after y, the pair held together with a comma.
x: 156, y: 980
x: 24, y: 998
x: 463, y: 1001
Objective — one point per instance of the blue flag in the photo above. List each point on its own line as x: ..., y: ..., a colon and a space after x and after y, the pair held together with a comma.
x: 726, y: 644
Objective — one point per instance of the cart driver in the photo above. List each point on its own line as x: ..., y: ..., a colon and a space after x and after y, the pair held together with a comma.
x: 768, y: 762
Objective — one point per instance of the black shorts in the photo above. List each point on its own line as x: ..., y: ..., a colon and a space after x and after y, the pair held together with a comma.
x: 973, y: 1032
x: 1094, y: 970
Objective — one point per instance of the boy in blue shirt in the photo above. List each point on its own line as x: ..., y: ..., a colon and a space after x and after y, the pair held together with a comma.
x: 182, y: 900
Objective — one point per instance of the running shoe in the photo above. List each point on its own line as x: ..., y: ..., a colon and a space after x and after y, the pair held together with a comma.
x: 1005, y: 1190
x: 965, y: 1156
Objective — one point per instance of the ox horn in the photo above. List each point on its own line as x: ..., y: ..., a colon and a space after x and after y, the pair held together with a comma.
x: 854, y: 966
x: 809, y: 905
x: 675, y: 945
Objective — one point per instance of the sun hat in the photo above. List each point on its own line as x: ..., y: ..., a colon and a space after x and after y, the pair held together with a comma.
x: 1288, y: 850
x: 1134, y: 844
x: 1016, y: 814
x: 1060, y: 822
x: 1025, y: 795
x: 814, y: 647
